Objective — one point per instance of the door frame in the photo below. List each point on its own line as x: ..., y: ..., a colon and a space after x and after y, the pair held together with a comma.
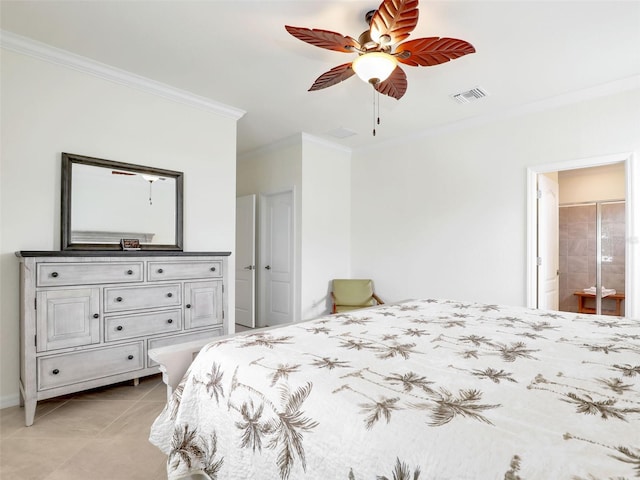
x: 632, y: 246
x: 262, y: 228
x: 241, y: 269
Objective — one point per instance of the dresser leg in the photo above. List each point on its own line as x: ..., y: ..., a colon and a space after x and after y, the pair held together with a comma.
x: 29, y: 412
x: 136, y: 382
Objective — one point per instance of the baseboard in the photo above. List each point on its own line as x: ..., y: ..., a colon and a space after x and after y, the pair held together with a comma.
x: 9, y: 401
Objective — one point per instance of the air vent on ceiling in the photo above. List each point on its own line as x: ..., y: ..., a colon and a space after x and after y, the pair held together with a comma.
x: 472, y: 95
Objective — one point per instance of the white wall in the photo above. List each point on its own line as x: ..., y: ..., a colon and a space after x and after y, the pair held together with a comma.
x: 445, y: 216
x: 319, y: 174
x: 272, y: 170
x: 326, y: 222
x: 48, y: 109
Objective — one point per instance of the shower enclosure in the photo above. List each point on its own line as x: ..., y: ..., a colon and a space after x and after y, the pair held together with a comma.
x: 592, y: 257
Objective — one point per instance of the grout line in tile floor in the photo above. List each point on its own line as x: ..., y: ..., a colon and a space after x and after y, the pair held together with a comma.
x: 99, y: 434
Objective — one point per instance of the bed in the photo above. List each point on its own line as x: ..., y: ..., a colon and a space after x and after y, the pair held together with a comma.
x: 422, y: 390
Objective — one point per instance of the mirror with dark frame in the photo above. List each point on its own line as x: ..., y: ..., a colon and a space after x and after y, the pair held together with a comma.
x: 104, y: 202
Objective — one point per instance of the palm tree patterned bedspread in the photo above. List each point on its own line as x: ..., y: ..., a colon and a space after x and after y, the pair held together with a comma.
x: 422, y: 390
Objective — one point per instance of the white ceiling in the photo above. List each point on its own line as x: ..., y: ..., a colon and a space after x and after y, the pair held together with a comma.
x: 238, y: 53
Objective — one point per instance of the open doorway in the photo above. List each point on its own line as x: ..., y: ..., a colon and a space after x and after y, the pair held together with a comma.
x: 592, y: 230
x: 616, y: 251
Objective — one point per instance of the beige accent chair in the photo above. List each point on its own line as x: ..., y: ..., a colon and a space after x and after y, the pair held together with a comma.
x: 352, y: 294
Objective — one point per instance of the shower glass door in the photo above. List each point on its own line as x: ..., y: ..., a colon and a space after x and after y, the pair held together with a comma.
x: 592, y: 258
x: 611, y: 216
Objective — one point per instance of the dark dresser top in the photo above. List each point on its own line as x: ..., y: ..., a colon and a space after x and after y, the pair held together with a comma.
x: 117, y: 253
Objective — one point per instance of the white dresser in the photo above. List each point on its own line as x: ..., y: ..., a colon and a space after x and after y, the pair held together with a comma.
x: 88, y: 318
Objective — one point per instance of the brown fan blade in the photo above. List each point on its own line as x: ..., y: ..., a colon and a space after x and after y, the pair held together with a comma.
x: 395, y: 86
x: 425, y: 52
x: 394, y: 18
x: 324, y: 39
x: 333, y: 76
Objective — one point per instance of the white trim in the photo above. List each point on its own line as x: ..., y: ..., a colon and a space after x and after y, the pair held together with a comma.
x: 291, y: 140
x: 532, y: 230
x: 325, y: 143
x: 42, y: 51
x: 9, y: 401
x: 632, y: 253
x: 295, y: 139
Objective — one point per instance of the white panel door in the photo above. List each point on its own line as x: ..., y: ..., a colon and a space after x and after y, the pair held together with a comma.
x: 277, y: 259
x: 246, y: 260
x: 548, y: 244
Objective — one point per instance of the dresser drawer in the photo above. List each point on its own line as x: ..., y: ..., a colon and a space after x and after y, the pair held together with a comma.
x: 70, y: 368
x: 130, y: 326
x: 184, y: 270
x: 118, y: 299
x: 55, y: 274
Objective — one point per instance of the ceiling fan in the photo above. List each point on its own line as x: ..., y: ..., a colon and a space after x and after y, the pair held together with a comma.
x: 145, y: 176
x: 379, y: 49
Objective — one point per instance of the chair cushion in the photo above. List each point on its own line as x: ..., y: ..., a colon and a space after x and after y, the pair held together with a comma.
x: 354, y: 293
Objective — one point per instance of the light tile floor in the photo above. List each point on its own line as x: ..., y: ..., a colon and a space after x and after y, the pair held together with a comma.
x: 100, y: 434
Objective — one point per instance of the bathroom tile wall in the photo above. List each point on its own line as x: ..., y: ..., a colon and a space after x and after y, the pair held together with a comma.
x: 578, y: 251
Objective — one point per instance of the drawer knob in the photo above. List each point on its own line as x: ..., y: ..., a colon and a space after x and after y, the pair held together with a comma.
x: 160, y: 270
x: 96, y: 315
x: 55, y: 371
x: 119, y: 327
x: 169, y: 294
x: 129, y: 272
x: 170, y: 320
x: 188, y: 305
x: 213, y: 269
x: 118, y: 299
x: 130, y: 357
x: 54, y: 274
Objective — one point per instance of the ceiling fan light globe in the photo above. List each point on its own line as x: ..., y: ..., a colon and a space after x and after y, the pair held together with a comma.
x: 150, y: 178
x: 374, y: 67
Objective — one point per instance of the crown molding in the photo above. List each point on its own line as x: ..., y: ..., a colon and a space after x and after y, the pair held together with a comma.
x: 26, y: 46
x: 325, y: 143
x: 298, y: 138
x: 286, y: 142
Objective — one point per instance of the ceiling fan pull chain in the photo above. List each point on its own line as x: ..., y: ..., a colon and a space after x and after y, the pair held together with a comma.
x: 374, y: 112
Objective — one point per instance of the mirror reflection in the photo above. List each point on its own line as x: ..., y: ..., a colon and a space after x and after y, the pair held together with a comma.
x: 108, y: 201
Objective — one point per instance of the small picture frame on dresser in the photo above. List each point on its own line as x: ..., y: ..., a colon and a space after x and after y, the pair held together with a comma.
x: 130, y: 244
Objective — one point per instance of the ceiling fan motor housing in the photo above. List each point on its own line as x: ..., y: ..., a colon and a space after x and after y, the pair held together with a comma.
x: 389, y: 26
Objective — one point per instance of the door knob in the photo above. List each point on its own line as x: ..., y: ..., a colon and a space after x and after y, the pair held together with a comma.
x: 250, y: 267
x: 268, y: 267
